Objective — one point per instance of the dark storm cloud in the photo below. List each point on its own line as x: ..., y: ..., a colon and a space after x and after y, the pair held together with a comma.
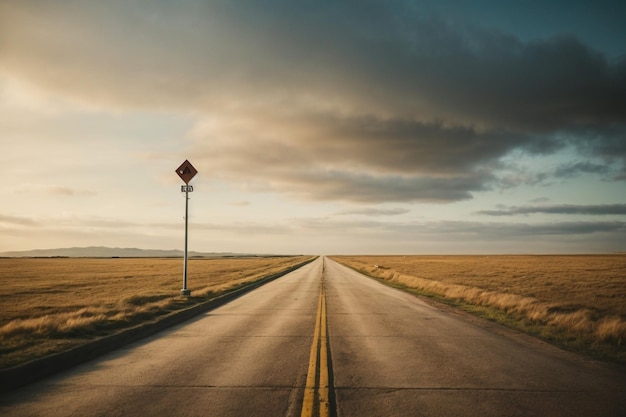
x: 321, y: 184
x: 427, y: 98
x: 401, y: 145
x: 395, y: 52
x: 367, y: 101
x: 598, y: 210
x: 371, y: 189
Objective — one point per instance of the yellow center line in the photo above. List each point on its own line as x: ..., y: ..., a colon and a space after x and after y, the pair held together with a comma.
x: 323, y: 384
x: 316, y: 402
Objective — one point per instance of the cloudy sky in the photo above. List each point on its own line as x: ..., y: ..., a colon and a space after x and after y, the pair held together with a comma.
x: 318, y: 127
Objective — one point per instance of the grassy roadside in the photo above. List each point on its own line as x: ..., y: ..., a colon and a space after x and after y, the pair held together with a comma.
x: 51, y: 305
x: 582, y: 313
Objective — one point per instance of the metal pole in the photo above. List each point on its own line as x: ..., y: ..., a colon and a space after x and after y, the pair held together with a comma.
x: 185, y: 291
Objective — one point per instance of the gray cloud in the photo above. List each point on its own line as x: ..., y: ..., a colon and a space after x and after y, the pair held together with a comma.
x: 54, y: 190
x: 366, y: 102
x: 520, y: 230
x: 374, y: 212
x: 67, y: 191
x: 564, y: 228
x: 18, y: 220
x: 463, y: 230
x: 69, y: 222
x: 579, y: 168
x: 240, y: 203
x: 364, y: 188
x: 445, y: 237
x: 598, y: 210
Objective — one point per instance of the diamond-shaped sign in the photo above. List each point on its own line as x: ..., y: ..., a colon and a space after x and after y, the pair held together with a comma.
x: 186, y: 171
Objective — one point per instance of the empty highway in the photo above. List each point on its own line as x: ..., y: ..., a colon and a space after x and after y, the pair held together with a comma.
x: 325, y: 340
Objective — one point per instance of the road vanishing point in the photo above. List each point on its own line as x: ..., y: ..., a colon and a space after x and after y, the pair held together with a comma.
x: 325, y: 340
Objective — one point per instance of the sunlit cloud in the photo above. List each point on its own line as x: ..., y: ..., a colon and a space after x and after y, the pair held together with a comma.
x: 431, y: 102
x: 326, y: 105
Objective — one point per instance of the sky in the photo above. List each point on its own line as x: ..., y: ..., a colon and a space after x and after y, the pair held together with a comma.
x: 316, y: 127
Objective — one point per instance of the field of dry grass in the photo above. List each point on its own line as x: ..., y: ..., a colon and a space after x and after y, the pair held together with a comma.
x: 51, y: 304
x: 574, y: 300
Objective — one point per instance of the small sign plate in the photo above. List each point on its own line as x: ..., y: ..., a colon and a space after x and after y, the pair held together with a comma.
x: 186, y: 171
x: 186, y: 188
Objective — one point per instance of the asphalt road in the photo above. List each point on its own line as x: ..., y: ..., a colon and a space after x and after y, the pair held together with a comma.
x: 390, y: 355
x: 393, y: 354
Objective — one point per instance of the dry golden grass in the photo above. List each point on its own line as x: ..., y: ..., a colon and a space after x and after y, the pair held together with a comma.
x: 50, y: 304
x: 575, y: 299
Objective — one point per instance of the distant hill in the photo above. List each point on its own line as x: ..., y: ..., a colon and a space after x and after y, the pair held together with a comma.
x: 104, y: 252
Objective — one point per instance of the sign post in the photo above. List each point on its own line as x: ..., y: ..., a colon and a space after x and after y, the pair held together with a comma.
x: 186, y: 172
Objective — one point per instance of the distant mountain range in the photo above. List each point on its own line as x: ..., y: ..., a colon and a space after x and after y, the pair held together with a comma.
x: 104, y: 252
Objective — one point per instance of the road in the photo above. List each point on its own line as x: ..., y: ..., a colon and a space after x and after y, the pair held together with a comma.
x: 389, y: 354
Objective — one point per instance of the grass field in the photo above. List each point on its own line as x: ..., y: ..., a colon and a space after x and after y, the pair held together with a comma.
x: 576, y: 301
x: 51, y: 304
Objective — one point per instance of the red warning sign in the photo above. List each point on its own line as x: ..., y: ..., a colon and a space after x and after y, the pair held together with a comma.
x: 186, y: 171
